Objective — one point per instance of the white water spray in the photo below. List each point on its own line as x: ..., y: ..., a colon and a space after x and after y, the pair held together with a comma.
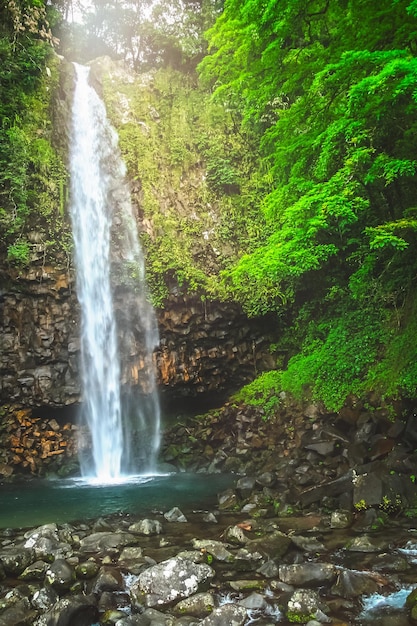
x: 110, y: 275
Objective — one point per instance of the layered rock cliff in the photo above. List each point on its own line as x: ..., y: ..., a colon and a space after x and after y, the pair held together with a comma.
x: 203, y: 346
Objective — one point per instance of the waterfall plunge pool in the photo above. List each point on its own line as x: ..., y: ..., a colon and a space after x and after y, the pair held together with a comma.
x: 37, y: 502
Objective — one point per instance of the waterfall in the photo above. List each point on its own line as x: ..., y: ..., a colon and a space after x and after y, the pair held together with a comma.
x: 117, y: 322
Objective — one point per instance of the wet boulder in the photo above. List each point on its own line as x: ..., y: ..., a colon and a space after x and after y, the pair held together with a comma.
x: 107, y: 542
x: 86, y: 570
x: 300, y: 574
x: 17, y: 615
x: 341, y: 519
x: 147, y: 527
x: 353, y: 583
x: 273, y: 545
x: 60, y: 575
x: 248, y: 560
x: 132, y: 560
x: 35, y: 571
x: 198, y: 605
x: 48, y: 548
x: 15, y: 559
x: 236, y: 534
x: 364, y: 543
x: 175, y: 515
x: 168, y: 581
x: 78, y: 609
x: 50, y: 531
x: 305, y: 605
x: 368, y: 490
x: 216, y: 549
x: 245, y: 486
x: 307, y: 544
x: 254, y: 602
x: 411, y: 604
x: 230, y: 614
x: 228, y: 500
x: 44, y: 599
x: 108, y: 579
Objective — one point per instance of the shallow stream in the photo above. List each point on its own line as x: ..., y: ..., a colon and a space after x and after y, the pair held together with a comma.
x: 387, y: 555
x: 35, y: 502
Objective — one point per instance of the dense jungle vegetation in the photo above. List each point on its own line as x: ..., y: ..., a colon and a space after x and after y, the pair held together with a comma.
x: 304, y: 124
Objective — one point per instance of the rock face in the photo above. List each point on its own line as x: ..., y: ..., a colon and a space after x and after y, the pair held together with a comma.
x: 39, y: 332
x: 207, y: 346
x: 202, y: 347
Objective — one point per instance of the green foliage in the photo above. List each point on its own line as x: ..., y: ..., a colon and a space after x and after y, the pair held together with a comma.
x: 336, y: 357
x: 18, y: 253
x: 197, y: 193
x: 32, y: 174
x: 331, y: 90
x: 262, y: 392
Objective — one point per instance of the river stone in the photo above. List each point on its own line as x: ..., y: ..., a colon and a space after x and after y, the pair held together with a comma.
x: 48, y: 548
x: 86, y: 570
x: 199, y: 605
x: 35, y: 571
x: 268, y: 569
x: 246, y: 561
x: 132, y: 561
x: 108, y: 579
x: 15, y: 597
x: 196, y: 556
x: 146, y: 527
x: 133, y: 620
x: 273, y: 545
x: 368, y: 490
x: 247, y: 585
x: 45, y: 598
x: 307, y: 573
x: 245, y: 486
x: 235, y: 535
x: 228, y: 500
x: 363, y: 544
x: 170, y: 580
x: 303, y: 605
x: 308, y: 544
x: 156, y: 618
x: 77, y: 610
x: 267, y: 479
x: 254, y: 602
x: 216, y: 549
x: 18, y: 615
x: 46, y: 530
x: 230, y: 614
x: 353, y: 583
x: 60, y: 575
x: 341, y: 519
x: 175, y: 515
x: 16, y: 559
x: 107, y: 542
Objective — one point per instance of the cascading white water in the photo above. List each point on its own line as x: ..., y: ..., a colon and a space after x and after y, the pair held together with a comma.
x: 124, y: 430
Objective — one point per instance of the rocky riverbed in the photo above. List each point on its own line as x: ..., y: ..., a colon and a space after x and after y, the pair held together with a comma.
x: 212, y: 568
x: 319, y: 527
